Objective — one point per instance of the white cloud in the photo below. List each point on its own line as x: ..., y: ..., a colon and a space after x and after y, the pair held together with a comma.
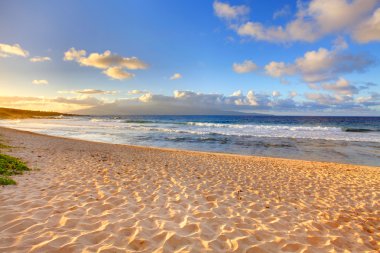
x: 372, y: 100
x: 74, y: 55
x: 226, y: 11
x: 341, y: 87
x: 244, y: 67
x: 176, y: 76
x: 107, y: 60
x: 137, y: 92
x: 368, y: 30
x: 276, y: 93
x: 89, y: 92
x: 114, y: 65
x: 252, y: 29
x: 319, y: 18
x: 317, y: 65
x: 335, y: 15
x: 237, y: 93
x: 7, y: 50
x: 320, y: 65
x: 292, y: 94
x: 283, y: 12
x: 189, y: 102
x: 59, y: 104
x: 251, y: 99
x: 40, y: 59
x: 215, y: 101
x: 340, y: 44
x: 83, y: 101
x: 40, y: 82
x: 147, y: 97
x: 327, y: 99
x: 279, y: 69
x: 118, y: 73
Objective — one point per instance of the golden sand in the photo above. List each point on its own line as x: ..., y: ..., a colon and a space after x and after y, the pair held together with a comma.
x: 95, y: 197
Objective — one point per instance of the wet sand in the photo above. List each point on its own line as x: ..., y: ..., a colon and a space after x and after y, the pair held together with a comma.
x: 94, y: 197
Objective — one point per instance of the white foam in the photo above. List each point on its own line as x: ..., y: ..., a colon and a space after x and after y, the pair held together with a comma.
x: 104, y: 129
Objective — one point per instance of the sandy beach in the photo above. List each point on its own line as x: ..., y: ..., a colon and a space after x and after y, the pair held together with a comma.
x: 93, y: 197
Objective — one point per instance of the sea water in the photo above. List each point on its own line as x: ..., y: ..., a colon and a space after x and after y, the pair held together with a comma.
x: 337, y: 139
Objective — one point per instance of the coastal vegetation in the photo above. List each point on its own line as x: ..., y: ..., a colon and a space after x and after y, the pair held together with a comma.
x: 10, y: 166
x: 10, y: 113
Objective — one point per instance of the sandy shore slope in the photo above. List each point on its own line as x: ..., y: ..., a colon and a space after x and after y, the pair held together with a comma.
x: 94, y: 197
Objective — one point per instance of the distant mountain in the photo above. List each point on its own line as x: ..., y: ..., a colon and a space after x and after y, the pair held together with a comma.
x: 9, y: 113
x: 156, y: 110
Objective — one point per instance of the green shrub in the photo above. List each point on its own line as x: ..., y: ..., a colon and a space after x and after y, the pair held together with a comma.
x: 6, y: 181
x: 10, y: 166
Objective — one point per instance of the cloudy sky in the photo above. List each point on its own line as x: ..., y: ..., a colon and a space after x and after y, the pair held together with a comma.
x: 316, y: 57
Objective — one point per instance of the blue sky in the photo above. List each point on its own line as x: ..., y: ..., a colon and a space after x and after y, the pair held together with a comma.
x: 314, y: 57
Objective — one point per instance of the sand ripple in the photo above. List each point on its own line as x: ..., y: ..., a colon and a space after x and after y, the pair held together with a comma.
x: 92, y: 197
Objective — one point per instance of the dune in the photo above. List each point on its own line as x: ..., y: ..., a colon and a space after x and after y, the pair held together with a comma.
x: 93, y: 197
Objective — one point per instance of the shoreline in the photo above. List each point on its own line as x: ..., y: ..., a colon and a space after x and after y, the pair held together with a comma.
x: 100, y: 197
x: 190, y: 151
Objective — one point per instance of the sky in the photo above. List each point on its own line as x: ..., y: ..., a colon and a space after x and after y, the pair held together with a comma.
x: 316, y: 57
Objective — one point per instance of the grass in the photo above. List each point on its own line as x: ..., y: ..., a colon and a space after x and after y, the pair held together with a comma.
x: 6, y: 181
x: 10, y: 166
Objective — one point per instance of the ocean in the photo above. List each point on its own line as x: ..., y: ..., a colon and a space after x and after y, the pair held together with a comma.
x: 354, y: 140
